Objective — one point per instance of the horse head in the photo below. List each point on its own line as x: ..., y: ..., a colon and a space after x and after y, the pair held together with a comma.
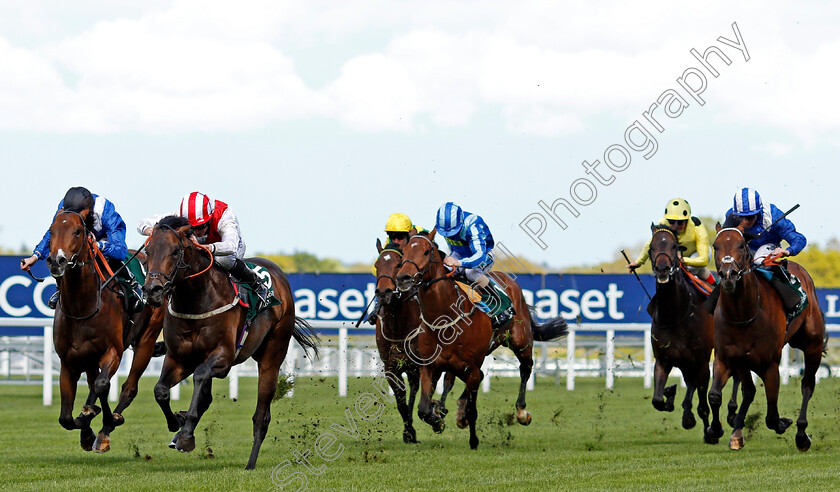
x: 732, y: 255
x: 386, y: 271
x: 419, y: 256
x: 169, y: 249
x: 664, y: 253
x: 68, y: 237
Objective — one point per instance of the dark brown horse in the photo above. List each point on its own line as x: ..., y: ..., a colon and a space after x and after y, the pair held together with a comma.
x: 91, y: 330
x: 202, y: 326
x: 399, y: 316
x: 682, y: 331
x: 456, y: 336
x: 750, y: 331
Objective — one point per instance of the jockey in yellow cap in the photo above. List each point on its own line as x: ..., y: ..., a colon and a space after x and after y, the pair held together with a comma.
x: 399, y: 229
x: 691, y: 235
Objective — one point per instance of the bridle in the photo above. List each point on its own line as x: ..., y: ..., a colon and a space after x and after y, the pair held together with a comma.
x: 180, y: 264
x: 739, y: 273
x: 729, y: 260
x: 73, y: 262
x: 674, y: 262
x: 417, y: 278
x: 392, y: 279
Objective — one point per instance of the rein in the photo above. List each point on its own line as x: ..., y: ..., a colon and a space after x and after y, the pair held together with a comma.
x: 425, y: 284
x: 181, y: 265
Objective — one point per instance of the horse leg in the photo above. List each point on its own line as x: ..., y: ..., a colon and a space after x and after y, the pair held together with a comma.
x: 721, y: 374
x: 426, y: 408
x: 142, y: 355
x: 702, y: 394
x: 526, y: 365
x: 217, y: 365
x: 736, y: 440
x: 732, y: 406
x: 461, y: 419
x: 273, y: 353
x: 397, y: 386
x: 413, y: 385
x: 89, y: 411
x: 472, y: 382
x: 108, y: 366
x: 688, y: 420
x: 448, y: 383
x: 68, y: 381
x: 809, y: 380
x: 771, y: 391
x: 660, y: 377
x: 171, y: 374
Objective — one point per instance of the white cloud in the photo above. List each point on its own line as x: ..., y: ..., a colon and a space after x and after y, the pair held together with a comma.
x: 545, y: 68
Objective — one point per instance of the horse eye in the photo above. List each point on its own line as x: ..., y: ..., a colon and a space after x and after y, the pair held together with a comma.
x: 174, y: 253
x: 77, y: 232
x: 427, y: 252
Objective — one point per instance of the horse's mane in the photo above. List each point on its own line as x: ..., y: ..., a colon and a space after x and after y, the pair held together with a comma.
x: 173, y: 221
x: 392, y: 245
x: 733, y: 222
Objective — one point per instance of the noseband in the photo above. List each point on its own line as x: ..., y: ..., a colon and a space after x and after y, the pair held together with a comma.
x: 729, y: 260
x: 672, y: 261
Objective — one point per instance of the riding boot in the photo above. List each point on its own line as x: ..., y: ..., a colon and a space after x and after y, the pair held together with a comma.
x: 711, y: 301
x: 244, y: 275
x: 497, y: 303
x: 374, y: 312
x: 53, y: 302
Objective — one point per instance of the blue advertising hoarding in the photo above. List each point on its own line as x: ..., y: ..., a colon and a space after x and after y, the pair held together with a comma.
x: 601, y: 298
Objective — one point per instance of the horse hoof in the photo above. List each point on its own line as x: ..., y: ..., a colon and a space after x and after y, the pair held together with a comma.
x: 87, y: 439
x: 102, y: 443
x: 709, y: 438
x: 185, y: 445
x: 523, y: 417
x: 736, y: 442
x: 473, y: 442
x: 439, y: 426
x: 783, y: 424
x: 803, y: 442
x: 659, y: 405
x: 688, y: 421
x: 118, y: 419
x: 409, y: 436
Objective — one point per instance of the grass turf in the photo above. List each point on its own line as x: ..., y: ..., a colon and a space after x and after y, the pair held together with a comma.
x: 590, y: 438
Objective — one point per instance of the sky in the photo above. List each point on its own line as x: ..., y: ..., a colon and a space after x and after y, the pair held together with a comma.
x: 315, y: 120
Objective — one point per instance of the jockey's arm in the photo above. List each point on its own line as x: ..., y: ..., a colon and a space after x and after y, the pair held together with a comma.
x: 145, y: 226
x: 478, y: 247
x: 229, y: 231
x: 643, y: 255
x: 701, y: 242
x: 114, y: 227
x: 43, y: 248
x: 796, y: 240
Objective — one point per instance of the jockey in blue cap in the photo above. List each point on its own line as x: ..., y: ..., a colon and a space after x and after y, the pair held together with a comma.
x: 106, y: 226
x: 471, y: 245
x: 758, y: 218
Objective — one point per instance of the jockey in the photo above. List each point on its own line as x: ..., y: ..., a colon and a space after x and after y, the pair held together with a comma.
x: 107, y: 227
x: 768, y: 224
x: 216, y: 226
x: 471, y: 245
x: 758, y: 219
x: 691, y: 235
x: 399, y: 228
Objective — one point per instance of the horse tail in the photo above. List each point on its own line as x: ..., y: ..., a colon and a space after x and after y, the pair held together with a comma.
x: 550, y: 330
x: 306, y: 335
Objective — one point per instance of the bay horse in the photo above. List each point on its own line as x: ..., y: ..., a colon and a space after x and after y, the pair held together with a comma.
x: 456, y: 336
x: 682, y: 331
x: 92, y: 328
x: 201, y: 328
x: 750, y: 331
x: 396, y: 337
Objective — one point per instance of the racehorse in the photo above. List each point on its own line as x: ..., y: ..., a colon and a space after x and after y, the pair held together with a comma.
x: 750, y: 331
x: 91, y: 329
x: 682, y: 331
x: 202, y: 324
x: 455, y: 336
